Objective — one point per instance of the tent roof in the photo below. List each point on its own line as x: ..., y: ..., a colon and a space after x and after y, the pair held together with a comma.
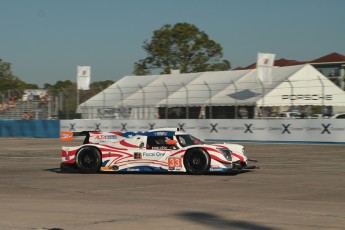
x: 118, y: 91
x: 161, y: 87
x: 202, y: 88
x: 291, y: 86
x: 305, y: 87
x: 223, y: 88
x: 248, y: 90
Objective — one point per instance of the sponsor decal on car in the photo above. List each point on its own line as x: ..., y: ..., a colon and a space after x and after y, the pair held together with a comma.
x: 174, y: 163
x: 216, y: 169
x: 161, y: 133
x: 66, y: 136
x: 133, y: 170
x: 106, y: 137
x: 153, y: 154
x: 137, y: 155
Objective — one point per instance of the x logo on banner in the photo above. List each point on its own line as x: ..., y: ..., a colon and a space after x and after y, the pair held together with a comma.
x: 71, y: 126
x: 98, y: 126
x: 181, y: 126
x: 214, y: 128
x: 123, y: 126
x: 325, y: 129
x: 152, y: 125
x: 248, y: 128
x: 286, y: 128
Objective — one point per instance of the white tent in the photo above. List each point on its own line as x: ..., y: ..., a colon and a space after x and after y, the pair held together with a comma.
x: 307, y: 86
x: 291, y: 86
x: 114, y: 94
x: 143, y: 102
x: 202, y: 89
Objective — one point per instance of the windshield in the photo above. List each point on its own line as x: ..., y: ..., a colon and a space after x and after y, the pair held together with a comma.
x: 186, y: 140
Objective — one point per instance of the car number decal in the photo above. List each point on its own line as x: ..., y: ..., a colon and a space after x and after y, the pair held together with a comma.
x: 174, y: 163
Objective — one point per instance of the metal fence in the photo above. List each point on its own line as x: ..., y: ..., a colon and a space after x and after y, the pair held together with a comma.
x: 231, y: 99
x: 178, y: 100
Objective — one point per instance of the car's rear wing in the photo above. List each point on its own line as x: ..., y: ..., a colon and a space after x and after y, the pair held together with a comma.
x: 92, y: 137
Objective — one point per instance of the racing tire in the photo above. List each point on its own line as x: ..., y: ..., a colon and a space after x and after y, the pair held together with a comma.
x: 88, y: 160
x: 197, y: 161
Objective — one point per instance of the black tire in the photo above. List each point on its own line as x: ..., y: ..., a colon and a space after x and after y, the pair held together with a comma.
x: 196, y: 161
x: 88, y: 160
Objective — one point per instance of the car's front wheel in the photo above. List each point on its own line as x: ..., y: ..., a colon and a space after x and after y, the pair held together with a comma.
x: 196, y: 161
x: 88, y: 160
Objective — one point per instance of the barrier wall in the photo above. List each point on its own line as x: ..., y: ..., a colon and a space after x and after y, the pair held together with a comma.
x: 277, y: 130
x: 274, y: 130
x: 30, y: 128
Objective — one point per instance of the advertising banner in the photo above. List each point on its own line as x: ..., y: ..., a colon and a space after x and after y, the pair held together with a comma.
x: 275, y: 130
x: 83, y: 77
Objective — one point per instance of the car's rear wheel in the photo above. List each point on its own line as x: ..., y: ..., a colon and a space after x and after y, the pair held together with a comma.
x: 196, y: 161
x: 88, y: 160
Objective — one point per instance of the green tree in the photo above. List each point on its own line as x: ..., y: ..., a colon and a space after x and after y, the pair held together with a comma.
x: 67, y: 91
x: 184, y: 47
x: 100, y: 85
x: 5, y: 69
x: 8, y: 81
x: 58, y: 85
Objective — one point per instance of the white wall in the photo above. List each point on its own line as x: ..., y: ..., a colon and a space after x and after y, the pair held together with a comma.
x: 299, y: 130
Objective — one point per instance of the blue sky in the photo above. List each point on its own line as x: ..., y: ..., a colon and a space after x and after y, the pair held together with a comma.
x: 45, y: 40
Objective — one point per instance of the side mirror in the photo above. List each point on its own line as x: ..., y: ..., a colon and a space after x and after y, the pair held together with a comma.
x: 141, y: 145
x: 196, y: 141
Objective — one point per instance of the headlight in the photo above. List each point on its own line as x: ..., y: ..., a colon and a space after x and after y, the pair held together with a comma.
x: 226, y: 153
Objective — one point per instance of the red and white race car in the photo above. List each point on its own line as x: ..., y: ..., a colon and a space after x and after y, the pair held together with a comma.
x: 158, y: 150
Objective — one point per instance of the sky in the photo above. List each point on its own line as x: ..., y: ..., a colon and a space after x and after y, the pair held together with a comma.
x: 45, y: 40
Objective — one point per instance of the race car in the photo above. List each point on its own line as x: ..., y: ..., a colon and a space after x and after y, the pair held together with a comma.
x: 158, y: 150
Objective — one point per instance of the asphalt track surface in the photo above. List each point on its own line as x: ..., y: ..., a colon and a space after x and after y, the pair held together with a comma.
x: 296, y: 187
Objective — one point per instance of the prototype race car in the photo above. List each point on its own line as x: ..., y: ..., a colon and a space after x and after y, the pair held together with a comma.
x: 158, y: 150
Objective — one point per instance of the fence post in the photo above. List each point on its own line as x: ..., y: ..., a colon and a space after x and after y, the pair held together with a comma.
x: 49, y: 103
x: 291, y: 91
x: 209, y: 99
x: 187, y: 100
x: 60, y: 106
x: 121, y: 95
x: 103, y: 104
x: 2, y: 98
x: 166, y: 99
x: 144, y: 102
x: 236, y: 105
x: 63, y: 93
x: 323, y: 94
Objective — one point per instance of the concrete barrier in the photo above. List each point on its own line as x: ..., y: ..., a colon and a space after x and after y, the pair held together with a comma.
x: 240, y: 130
x: 30, y: 128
